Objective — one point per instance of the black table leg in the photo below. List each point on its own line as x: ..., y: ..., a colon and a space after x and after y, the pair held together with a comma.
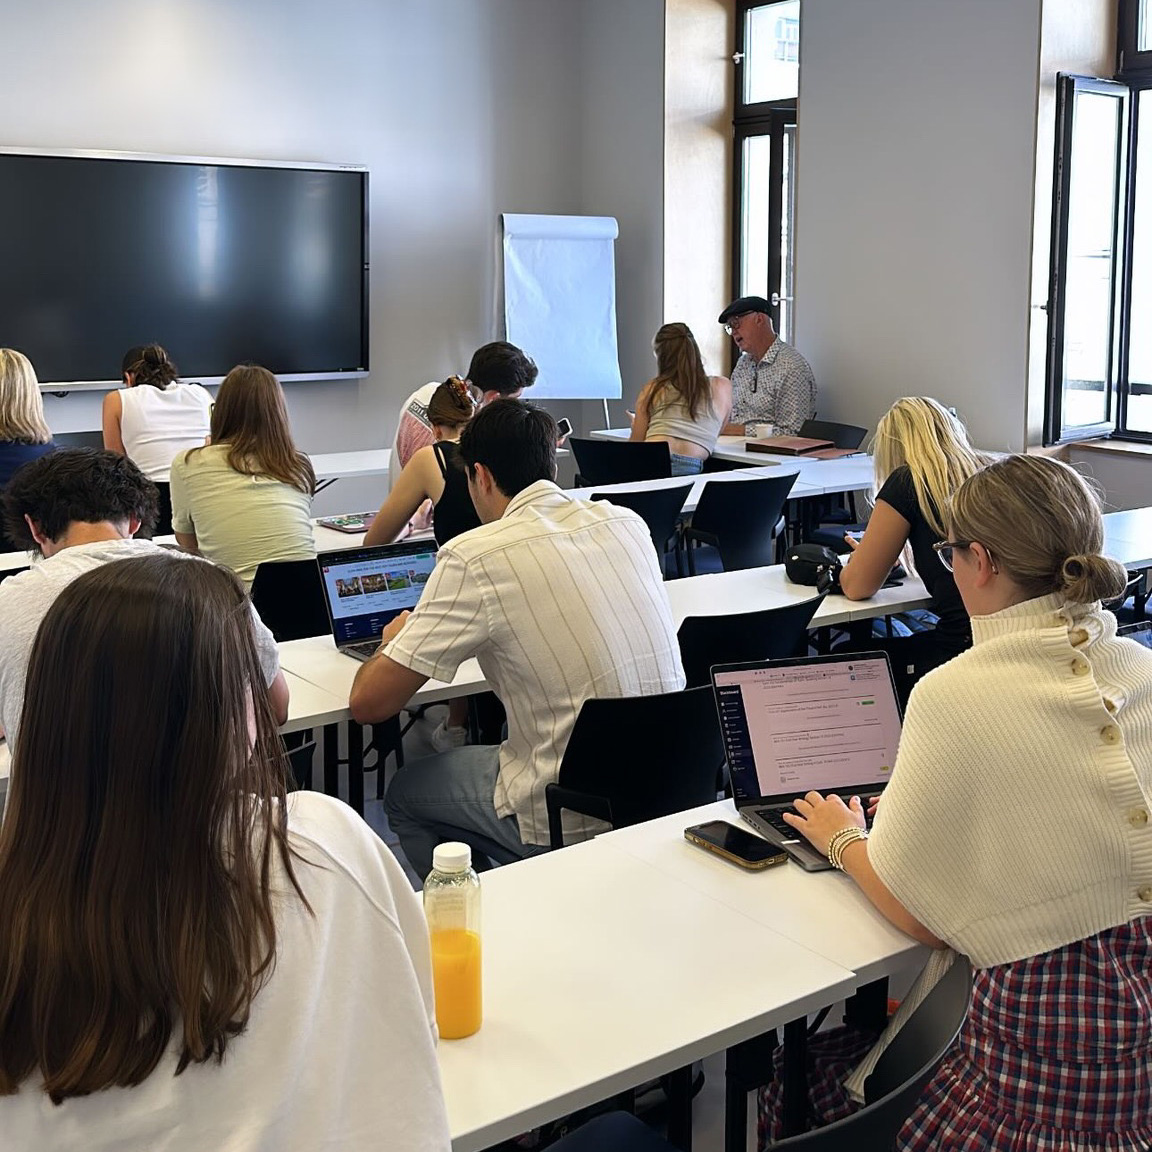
x: 332, y: 759
x: 356, y: 767
x: 680, y: 1108
x: 795, y: 1086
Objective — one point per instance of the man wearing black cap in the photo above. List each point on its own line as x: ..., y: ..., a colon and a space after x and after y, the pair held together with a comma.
x: 771, y: 383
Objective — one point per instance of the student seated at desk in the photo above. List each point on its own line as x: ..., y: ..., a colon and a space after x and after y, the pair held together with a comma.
x: 559, y: 600
x: 154, y: 418
x: 1016, y: 829
x: 262, y: 977
x: 24, y: 433
x: 683, y: 406
x: 80, y: 508
x: 434, y: 473
x: 246, y: 498
x: 922, y: 455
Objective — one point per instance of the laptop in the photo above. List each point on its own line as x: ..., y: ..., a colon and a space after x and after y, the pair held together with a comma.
x: 829, y: 723
x: 365, y: 588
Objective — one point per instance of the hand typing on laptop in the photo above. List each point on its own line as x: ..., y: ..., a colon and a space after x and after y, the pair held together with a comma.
x: 818, y: 818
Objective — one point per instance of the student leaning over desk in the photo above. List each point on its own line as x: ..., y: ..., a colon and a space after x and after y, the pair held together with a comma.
x: 1016, y: 830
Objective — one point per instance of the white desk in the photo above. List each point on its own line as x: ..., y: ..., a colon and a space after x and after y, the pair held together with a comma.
x: 1128, y: 537
x: 600, y: 972
x: 820, y: 477
x: 331, y: 466
x: 799, y: 487
x: 825, y: 911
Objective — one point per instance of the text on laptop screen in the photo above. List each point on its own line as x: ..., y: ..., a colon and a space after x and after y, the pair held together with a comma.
x: 365, y: 593
x: 825, y: 725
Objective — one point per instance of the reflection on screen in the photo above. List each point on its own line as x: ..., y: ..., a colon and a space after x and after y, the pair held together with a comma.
x: 365, y: 594
x: 825, y: 725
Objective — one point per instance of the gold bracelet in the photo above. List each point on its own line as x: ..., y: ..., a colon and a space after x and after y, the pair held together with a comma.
x: 840, y: 841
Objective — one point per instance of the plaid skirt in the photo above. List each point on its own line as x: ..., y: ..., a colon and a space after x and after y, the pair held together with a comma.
x: 1055, y: 1055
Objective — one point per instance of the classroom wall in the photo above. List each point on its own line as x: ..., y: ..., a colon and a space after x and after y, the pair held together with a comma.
x: 915, y: 181
x: 462, y: 109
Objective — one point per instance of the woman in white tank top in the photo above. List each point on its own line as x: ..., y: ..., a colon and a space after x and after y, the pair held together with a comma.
x: 683, y: 405
x: 154, y: 418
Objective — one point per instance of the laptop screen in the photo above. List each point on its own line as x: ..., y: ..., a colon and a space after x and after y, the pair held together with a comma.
x: 827, y: 723
x: 367, y: 587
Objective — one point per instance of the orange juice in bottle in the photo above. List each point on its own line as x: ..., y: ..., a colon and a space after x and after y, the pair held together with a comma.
x: 452, y: 909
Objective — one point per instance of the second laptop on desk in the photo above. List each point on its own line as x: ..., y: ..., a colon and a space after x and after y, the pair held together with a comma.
x: 822, y: 723
x: 365, y: 588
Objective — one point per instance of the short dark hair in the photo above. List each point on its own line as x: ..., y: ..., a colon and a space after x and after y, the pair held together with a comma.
x: 502, y: 367
x: 76, y: 485
x: 515, y: 441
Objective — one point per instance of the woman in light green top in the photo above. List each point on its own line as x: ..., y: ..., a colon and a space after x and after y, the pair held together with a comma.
x: 246, y: 497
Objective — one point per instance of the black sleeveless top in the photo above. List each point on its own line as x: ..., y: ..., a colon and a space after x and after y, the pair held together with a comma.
x: 455, y: 512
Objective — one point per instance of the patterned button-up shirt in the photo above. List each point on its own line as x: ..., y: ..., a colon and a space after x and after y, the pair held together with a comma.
x: 779, y: 390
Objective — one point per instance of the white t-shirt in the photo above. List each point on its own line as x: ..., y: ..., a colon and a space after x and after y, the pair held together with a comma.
x: 158, y: 423
x: 339, y: 1053
x: 240, y: 521
x: 413, y: 430
x: 26, y: 597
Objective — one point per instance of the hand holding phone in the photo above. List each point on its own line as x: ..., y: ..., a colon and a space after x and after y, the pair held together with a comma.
x: 735, y: 845
x: 563, y: 430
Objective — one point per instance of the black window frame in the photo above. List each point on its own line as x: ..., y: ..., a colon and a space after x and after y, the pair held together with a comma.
x: 1131, y: 63
x: 762, y: 118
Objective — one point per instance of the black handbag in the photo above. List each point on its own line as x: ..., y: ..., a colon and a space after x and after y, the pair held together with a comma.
x: 814, y: 565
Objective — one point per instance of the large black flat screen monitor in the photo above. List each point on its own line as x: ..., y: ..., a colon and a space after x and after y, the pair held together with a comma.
x: 220, y: 262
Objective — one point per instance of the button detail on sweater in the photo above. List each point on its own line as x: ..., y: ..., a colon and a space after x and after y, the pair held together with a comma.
x: 1078, y: 636
x: 1145, y: 894
x: 1110, y: 705
x: 1138, y: 817
x: 1080, y: 666
x: 1110, y: 734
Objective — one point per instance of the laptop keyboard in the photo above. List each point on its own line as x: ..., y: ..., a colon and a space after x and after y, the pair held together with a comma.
x: 368, y: 648
x: 775, y: 817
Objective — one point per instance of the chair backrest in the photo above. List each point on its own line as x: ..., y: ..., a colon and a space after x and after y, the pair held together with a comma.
x: 641, y: 757
x: 771, y: 634
x: 659, y: 508
x: 619, y: 461
x: 741, y: 514
x: 900, y: 1075
x: 842, y: 435
x: 289, y: 597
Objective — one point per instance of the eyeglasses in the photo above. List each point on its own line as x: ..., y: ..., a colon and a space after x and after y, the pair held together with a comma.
x: 943, y: 549
x: 734, y: 322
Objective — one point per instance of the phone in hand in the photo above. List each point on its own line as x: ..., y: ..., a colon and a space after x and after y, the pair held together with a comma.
x: 563, y: 427
x: 735, y: 845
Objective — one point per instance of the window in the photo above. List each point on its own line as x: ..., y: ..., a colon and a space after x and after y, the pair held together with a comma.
x: 1099, y: 340
x: 767, y: 62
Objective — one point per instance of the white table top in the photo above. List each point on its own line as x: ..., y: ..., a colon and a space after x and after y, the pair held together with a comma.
x: 799, y: 487
x: 600, y: 972
x: 820, y: 477
x: 368, y: 462
x: 823, y: 911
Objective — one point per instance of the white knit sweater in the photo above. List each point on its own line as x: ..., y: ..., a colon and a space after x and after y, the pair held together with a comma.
x: 1017, y: 818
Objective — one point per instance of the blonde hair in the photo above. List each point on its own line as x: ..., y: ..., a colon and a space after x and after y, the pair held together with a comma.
x: 917, y: 432
x: 21, y: 407
x: 1041, y: 522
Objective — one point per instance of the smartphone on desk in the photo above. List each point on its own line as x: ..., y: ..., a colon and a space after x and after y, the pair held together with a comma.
x: 735, y: 845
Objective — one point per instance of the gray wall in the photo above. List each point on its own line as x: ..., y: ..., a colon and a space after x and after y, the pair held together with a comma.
x: 915, y: 180
x: 462, y: 109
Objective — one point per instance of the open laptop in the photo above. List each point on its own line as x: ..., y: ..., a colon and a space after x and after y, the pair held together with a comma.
x: 829, y: 723
x: 366, y: 587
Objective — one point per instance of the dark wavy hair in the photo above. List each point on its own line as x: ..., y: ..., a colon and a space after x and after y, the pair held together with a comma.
x: 136, y: 852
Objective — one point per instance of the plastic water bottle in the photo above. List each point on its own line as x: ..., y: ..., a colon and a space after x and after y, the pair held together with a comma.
x: 452, y: 909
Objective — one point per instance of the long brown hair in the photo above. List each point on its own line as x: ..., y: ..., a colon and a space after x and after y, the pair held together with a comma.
x: 250, y: 416
x: 136, y: 853
x: 680, y: 371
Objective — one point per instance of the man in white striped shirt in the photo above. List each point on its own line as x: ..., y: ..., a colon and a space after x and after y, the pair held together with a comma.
x: 560, y: 600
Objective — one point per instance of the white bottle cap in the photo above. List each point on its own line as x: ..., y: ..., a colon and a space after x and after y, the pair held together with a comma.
x: 452, y: 856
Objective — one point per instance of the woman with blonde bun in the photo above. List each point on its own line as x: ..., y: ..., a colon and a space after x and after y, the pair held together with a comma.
x: 922, y: 455
x: 1016, y: 829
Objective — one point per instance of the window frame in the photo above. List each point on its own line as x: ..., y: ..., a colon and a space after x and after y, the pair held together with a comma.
x: 1131, y: 63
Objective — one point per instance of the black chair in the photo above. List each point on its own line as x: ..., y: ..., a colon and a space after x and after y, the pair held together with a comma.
x: 739, y: 519
x: 901, y: 1073
x: 841, y: 435
x: 637, y: 758
x: 771, y: 634
x: 619, y: 461
x: 660, y: 509
x: 289, y: 597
